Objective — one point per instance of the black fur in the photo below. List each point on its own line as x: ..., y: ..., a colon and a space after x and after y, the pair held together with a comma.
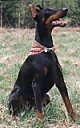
x: 33, y: 82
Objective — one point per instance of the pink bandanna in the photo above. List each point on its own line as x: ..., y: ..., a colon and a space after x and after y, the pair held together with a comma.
x: 37, y: 48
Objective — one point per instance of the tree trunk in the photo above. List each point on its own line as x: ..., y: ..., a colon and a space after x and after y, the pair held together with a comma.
x: 19, y: 25
x: 1, y: 16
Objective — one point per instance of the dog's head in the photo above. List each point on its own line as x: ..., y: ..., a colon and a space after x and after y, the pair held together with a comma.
x: 49, y: 17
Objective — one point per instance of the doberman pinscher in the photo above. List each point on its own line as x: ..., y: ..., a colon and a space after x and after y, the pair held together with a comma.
x: 41, y: 70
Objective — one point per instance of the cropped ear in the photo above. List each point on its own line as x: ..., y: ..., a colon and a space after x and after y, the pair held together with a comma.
x: 38, y: 8
x: 33, y: 10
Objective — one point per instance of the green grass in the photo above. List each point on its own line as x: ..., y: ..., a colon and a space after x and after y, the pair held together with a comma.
x: 14, y: 48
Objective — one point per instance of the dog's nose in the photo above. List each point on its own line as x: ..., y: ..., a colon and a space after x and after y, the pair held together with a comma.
x: 65, y: 9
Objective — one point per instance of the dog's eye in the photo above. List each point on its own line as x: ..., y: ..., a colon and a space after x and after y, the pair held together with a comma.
x: 47, y: 11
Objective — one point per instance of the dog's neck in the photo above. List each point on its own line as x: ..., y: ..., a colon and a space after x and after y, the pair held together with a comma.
x: 43, y: 36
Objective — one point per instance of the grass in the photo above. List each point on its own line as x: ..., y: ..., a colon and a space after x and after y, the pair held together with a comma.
x: 14, y: 47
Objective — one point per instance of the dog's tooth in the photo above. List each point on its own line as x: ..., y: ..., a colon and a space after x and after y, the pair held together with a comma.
x: 45, y: 49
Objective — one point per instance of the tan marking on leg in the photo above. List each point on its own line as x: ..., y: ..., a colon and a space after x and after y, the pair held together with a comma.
x: 22, y: 101
x: 69, y: 108
x: 39, y: 115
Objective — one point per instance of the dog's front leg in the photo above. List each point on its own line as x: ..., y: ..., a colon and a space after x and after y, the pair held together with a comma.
x: 36, y: 85
x: 64, y: 93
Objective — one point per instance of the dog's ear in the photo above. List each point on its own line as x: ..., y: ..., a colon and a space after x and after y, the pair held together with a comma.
x: 38, y: 8
x: 33, y: 10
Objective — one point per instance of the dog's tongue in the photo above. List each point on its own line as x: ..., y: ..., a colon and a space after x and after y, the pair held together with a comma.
x: 60, y: 22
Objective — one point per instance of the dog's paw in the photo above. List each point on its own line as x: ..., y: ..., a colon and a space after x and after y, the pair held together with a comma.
x: 39, y: 115
x: 73, y: 115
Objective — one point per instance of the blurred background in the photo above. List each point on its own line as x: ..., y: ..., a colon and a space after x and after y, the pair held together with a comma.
x: 16, y: 14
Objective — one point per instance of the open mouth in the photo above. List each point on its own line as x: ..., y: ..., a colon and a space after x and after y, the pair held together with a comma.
x: 56, y: 19
x: 59, y: 22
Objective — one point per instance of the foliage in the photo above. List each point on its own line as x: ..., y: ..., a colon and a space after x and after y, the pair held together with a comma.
x: 75, y: 13
x: 16, y: 13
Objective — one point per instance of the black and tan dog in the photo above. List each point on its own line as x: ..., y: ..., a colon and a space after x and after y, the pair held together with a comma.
x: 41, y: 70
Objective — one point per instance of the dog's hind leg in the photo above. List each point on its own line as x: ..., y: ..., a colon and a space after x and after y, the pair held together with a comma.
x: 13, y: 100
x: 64, y: 93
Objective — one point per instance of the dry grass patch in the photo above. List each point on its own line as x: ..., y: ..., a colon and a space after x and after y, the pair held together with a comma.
x: 14, y: 47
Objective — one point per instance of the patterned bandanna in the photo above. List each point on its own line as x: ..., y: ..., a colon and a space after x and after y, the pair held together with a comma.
x: 37, y: 48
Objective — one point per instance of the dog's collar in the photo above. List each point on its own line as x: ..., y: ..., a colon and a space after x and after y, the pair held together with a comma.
x: 37, y: 48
